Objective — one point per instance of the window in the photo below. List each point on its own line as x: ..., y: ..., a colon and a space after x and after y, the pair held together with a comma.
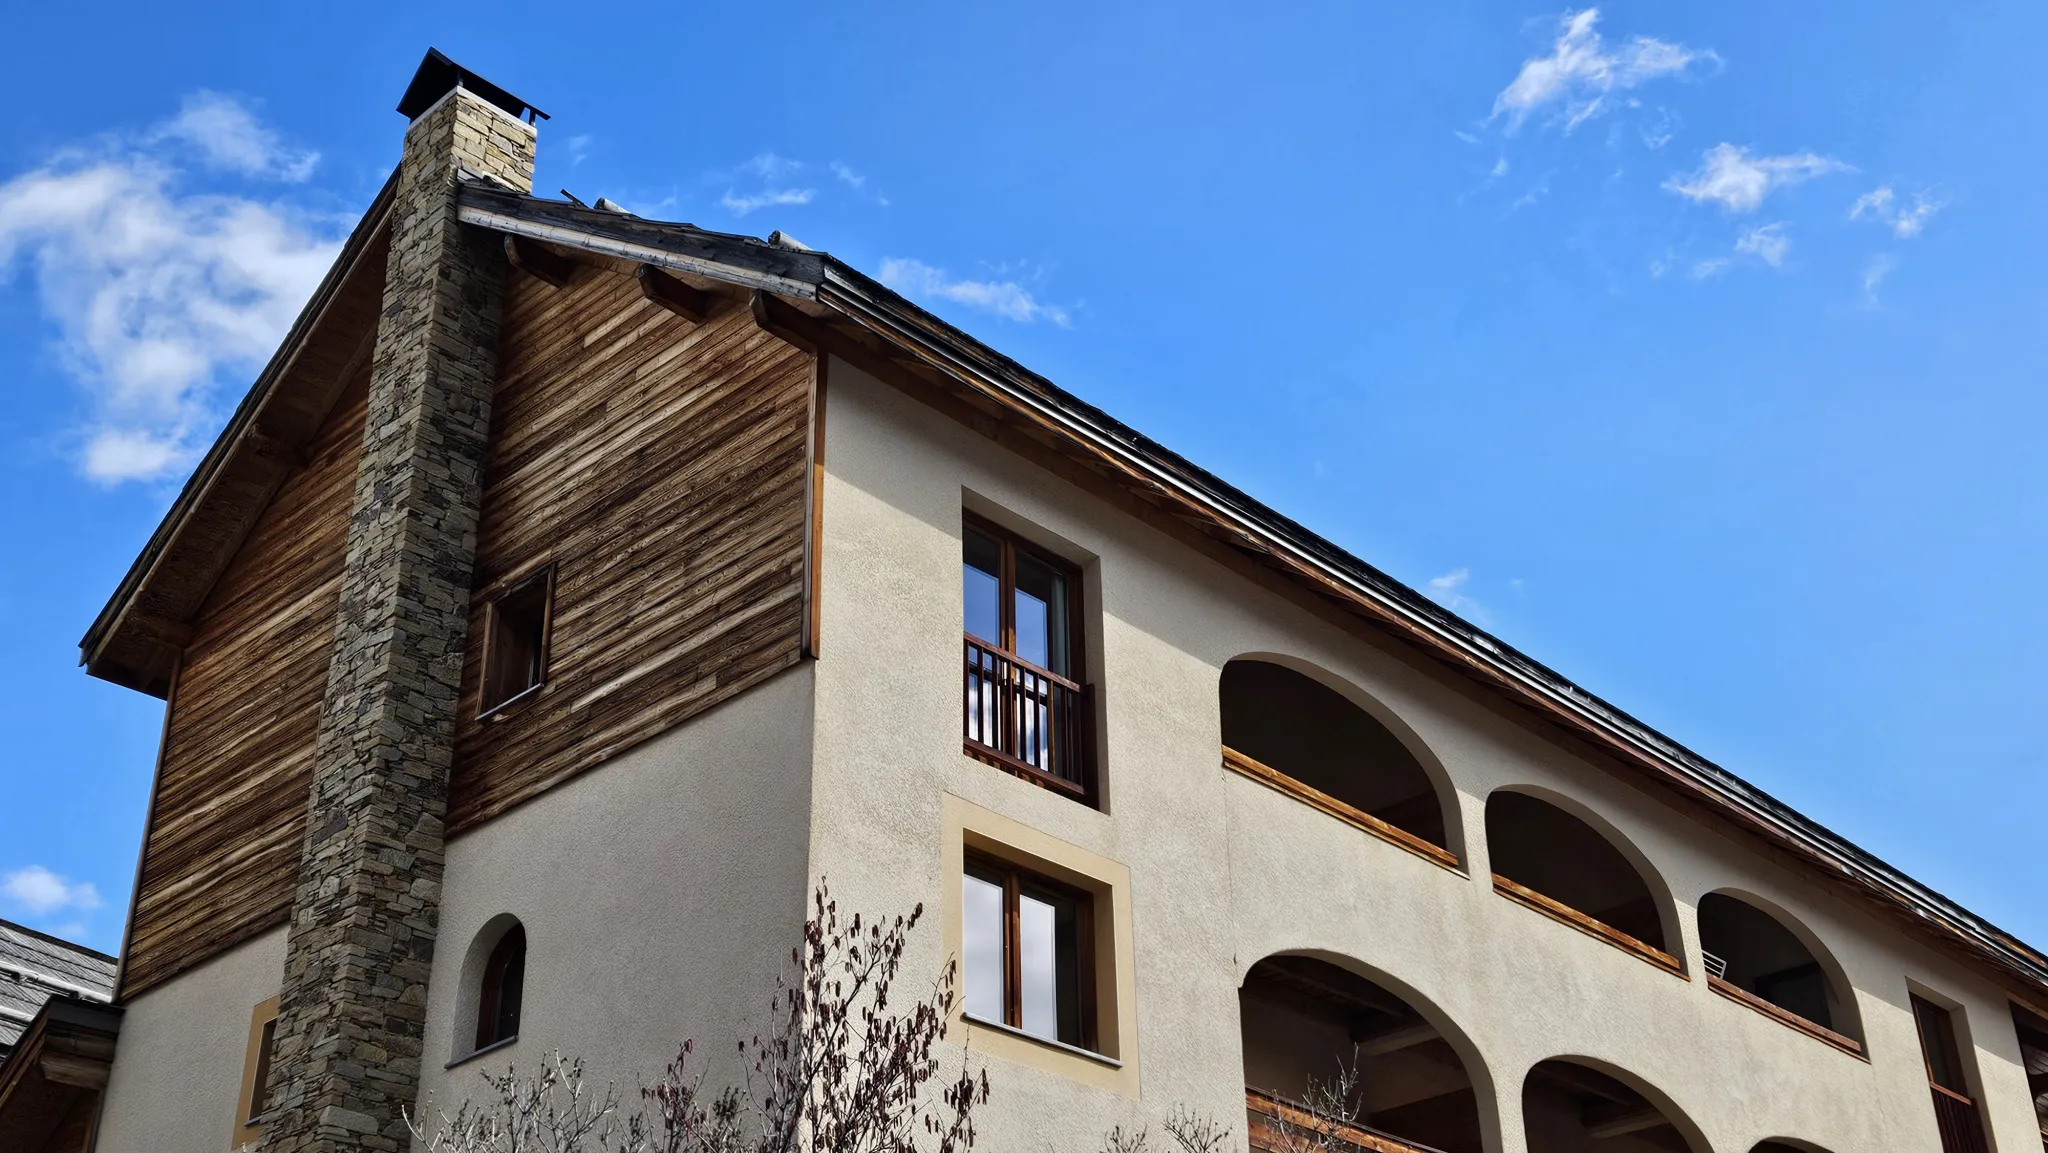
x: 504, y: 980
x: 1026, y: 946
x: 1025, y: 708
x: 515, y: 657
x: 1955, y: 1113
x: 256, y: 1087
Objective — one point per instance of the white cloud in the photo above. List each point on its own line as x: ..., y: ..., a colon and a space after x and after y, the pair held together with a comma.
x: 1874, y: 274
x: 852, y: 179
x: 156, y: 290
x: 778, y: 177
x: 578, y: 148
x: 1768, y: 242
x: 1005, y: 298
x: 41, y: 891
x: 1447, y: 590
x: 229, y: 136
x: 1737, y: 181
x: 1881, y: 206
x: 1582, y: 72
x: 1710, y: 267
x: 772, y: 198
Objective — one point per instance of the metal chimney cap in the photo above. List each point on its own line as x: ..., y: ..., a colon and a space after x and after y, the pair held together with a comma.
x: 438, y: 76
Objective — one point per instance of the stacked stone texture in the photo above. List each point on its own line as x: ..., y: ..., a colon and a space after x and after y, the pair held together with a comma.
x: 364, y: 918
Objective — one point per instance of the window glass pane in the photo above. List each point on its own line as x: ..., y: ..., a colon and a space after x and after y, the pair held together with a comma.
x: 981, y: 933
x: 1041, y: 606
x: 981, y: 587
x: 1038, y: 966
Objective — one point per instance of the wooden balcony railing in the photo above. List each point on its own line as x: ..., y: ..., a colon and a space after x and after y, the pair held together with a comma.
x: 1026, y: 719
x: 1962, y: 1129
x: 1270, y: 1119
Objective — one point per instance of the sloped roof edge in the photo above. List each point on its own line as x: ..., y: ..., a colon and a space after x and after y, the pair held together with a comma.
x: 192, y: 497
x: 878, y: 309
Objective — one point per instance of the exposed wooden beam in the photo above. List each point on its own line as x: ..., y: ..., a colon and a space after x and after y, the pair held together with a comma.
x: 539, y: 261
x: 1394, y: 1040
x: 1602, y: 1123
x: 692, y: 304
x: 269, y: 446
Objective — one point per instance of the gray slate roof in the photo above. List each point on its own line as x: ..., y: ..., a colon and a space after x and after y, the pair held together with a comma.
x: 36, y: 966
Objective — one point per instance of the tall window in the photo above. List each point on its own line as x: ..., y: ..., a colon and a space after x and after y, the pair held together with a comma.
x: 504, y: 981
x: 1962, y: 1128
x: 1026, y: 942
x: 1025, y: 708
x: 256, y: 1077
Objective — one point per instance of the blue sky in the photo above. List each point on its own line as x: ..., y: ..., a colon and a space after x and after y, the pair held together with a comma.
x: 1694, y: 349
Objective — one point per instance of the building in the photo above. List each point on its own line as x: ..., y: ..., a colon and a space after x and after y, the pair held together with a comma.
x: 572, y: 591
x: 56, y: 1036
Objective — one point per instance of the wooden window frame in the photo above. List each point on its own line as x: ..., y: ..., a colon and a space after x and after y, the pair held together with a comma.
x: 1016, y: 880
x: 256, y: 1068
x: 1084, y: 787
x: 545, y: 575
x: 490, y: 992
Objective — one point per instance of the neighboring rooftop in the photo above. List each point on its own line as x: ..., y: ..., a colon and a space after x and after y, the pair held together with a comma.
x: 35, y: 967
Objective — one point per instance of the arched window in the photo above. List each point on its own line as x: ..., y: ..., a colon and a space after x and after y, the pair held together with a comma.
x: 1569, y: 1106
x: 1326, y: 1049
x: 1749, y: 951
x: 1304, y: 730
x: 501, y: 989
x: 1538, y: 848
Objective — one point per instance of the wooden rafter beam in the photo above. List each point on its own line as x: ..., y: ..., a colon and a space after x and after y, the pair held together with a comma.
x: 537, y: 260
x: 692, y: 304
x: 1403, y: 1036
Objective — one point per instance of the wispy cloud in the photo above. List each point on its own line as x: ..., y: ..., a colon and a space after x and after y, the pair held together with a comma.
x: 578, y: 147
x: 1881, y: 206
x: 228, y: 136
x: 1005, y: 298
x: 41, y: 891
x: 1874, y: 274
x: 1448, y: 591
x: 778, y: 181
x: 1738, y: 181
x: 741, y: 205
x: 848, y: 176
x: 1767, y: 242
x: 1582, y: 72
x: 156, y: 289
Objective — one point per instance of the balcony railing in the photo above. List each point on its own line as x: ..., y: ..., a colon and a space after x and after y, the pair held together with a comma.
x: 1962, y: 1129
x: 1029, y: 720
x: 1277, y: 1125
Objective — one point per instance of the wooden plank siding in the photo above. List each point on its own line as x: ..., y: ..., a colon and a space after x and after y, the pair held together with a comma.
x: 220, y: 858
x: 661, y: 466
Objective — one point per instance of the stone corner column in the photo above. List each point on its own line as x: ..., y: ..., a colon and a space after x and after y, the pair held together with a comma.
x: 360, y: 945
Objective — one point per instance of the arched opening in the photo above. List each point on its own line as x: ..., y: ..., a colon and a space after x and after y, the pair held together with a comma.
x: 1783, y: 1145
x: 1754, y: 951
x: 1542, y: 848
x: 1569, y: 1106
x: 1305, y: 730
x: 1329, y: 1052
x: 492, y: 994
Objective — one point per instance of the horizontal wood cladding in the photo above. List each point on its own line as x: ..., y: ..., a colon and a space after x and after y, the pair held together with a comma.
x: 221, y: 856
x: 661, y: 466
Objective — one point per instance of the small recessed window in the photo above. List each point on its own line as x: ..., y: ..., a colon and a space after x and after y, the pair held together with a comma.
x: 516, y: 625
x: 504, y: 980
x: 256, y: 1087
x: 1026, y: 946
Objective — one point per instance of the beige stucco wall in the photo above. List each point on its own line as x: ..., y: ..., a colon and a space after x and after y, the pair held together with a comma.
x: 177, y: 1078
x: 660, y: 895
x: 1224, y: 872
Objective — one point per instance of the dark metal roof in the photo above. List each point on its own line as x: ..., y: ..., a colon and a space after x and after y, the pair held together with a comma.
x: 35, y: 967
x: 823, y: 278
x: 438, y: 76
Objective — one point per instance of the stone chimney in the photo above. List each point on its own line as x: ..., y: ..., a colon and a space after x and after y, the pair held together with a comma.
x: 361, y: 940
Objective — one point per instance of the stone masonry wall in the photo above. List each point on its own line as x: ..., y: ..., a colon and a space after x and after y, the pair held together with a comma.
x: 365, y: 915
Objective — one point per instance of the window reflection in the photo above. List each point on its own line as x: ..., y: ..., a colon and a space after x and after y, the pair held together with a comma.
x: 981, y: 932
